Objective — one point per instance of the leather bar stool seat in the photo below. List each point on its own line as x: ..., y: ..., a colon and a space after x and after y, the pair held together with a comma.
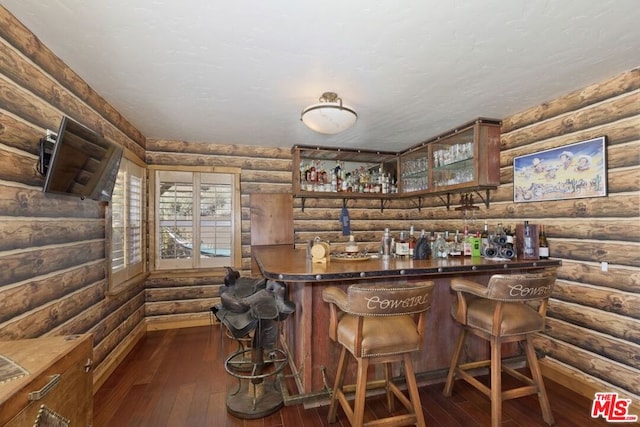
x: 516, y: 319
x: 380, y: 335
x: 378, y: 324
x: 511, y: 308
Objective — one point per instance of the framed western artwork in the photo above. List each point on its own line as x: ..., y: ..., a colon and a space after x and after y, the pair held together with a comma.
x: 573, y: 171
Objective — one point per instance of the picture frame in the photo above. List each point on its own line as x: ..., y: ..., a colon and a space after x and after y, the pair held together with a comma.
x: 573, y: 171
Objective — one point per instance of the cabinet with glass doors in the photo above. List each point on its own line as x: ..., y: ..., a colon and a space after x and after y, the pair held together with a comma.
x: 466, y: 158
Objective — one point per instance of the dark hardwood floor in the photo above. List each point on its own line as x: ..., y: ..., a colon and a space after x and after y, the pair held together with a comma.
x: 177, y: 378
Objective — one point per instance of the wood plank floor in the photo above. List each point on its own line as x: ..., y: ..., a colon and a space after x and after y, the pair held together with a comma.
x: 177, y: 378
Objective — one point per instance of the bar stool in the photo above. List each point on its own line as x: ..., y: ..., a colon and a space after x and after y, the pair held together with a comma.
x: 502, y: 312
x: 377, y: 324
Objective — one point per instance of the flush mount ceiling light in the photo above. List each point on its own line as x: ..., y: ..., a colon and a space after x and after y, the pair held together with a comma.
x: 329, y: 116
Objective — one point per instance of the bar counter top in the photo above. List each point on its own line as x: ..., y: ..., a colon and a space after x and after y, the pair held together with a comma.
x: 284, y: 263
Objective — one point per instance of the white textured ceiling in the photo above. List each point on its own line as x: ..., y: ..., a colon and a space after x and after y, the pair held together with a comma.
x: 240, y: 72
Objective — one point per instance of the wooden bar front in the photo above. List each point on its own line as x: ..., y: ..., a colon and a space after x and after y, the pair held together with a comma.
x: 305, y: 333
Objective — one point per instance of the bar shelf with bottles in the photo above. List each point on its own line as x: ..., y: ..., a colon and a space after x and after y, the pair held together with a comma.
x: 462, y: 160
x: 327, y: 172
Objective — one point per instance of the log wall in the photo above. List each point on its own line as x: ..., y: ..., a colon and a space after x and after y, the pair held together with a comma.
x: 52, y: 260
x: 52, y: 248
x: 593, y: 317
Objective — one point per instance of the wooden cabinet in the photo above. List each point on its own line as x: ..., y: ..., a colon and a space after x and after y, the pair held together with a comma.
x: 51, y: 382
x: 271, y: 222
x: 462, y: 160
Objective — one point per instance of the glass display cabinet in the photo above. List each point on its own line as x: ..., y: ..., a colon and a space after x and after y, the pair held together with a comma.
x: 414, y: 170
x: 465, y: 159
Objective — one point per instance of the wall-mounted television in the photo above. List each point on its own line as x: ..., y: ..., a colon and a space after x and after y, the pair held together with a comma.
x: 79, y: 162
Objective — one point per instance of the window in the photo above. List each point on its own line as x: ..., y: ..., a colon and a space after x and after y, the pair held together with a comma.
x: 197, y: 219
x: 127, y: 223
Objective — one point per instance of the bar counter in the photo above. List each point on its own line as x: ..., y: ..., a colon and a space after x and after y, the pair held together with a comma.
x: 286, y: 264
x: 313, y: 356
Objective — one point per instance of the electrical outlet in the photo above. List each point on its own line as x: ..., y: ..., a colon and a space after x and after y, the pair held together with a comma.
x: 605, y: 266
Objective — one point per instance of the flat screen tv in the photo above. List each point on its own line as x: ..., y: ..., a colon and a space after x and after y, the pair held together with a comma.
x: 81, y: 163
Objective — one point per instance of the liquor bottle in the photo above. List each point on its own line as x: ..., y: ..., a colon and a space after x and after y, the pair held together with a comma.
x: 402, y: 246
x: 466, y: 241
x: 412, y: 241
x: 484, y: 236
x: 432, y: 242
x: 456, y: 248
x: 528, y: 241
x: 543, y: 245
x: 423, y: 248
x: 440, y: 247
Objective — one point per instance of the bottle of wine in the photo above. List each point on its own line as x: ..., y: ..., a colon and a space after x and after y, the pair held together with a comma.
x: 484, y: 237
x: 543, y: 244
x: 412, y: 241
x: 466, y: 241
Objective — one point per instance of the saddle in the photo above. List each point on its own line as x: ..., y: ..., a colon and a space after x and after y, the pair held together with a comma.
x: 247, y: 304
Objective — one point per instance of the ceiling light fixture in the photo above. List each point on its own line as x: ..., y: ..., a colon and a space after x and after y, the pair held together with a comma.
x: 329, y: 116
